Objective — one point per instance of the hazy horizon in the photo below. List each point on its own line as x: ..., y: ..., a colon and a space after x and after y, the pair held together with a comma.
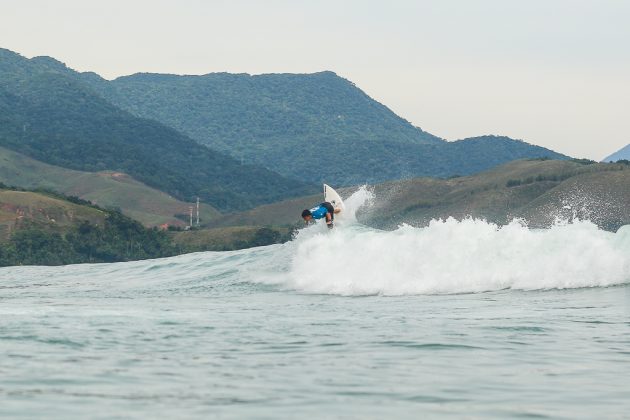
x: 552, y: 73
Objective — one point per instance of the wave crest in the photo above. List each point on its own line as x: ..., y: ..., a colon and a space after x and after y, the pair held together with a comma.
x: 451, y: 256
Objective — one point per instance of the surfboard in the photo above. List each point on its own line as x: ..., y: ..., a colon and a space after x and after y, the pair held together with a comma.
x: 333, y: 198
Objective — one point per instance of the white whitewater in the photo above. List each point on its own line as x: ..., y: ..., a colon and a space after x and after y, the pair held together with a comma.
x: 453, y: 257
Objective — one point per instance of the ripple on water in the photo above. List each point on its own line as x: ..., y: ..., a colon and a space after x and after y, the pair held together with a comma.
x: 430, y: 346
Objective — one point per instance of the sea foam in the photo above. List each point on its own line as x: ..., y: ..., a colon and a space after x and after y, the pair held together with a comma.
x: 451, y: 256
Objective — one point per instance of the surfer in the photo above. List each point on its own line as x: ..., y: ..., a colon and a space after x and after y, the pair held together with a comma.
x: 324, y: 210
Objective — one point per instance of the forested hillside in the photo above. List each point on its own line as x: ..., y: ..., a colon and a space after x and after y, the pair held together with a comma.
x: 233, y: 112
x: 309, y: 128
x: 47, y: 114
x: 47, y: 229
x: 316, y: 127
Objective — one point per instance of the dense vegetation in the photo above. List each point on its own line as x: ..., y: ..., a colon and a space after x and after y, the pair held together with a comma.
x: 118, y: 238
x: 82, y: 232
x: 233, y: 112
x: 47, y: 114
x: 315, y: 127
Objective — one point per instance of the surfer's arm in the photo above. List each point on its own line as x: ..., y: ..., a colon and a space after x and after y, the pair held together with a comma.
x: 329, y: 222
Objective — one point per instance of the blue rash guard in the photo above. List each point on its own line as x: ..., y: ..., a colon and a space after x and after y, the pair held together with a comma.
x: 319, y: 212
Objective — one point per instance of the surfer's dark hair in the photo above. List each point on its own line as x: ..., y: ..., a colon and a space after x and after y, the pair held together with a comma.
x: 306, y: 213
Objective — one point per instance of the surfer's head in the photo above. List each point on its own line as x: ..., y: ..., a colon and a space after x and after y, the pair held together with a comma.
x: 306, y: 215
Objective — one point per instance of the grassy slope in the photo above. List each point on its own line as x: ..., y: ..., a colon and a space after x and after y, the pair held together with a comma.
x: 147, y: 205
x: 602, y: 197
x: 599, y: 192
x: 18, y: 208
x: 222, y: 238
x: 546, y: 187
x: 283, y: 213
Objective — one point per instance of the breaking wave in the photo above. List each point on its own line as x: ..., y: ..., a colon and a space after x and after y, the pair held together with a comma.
x: 451, y: 256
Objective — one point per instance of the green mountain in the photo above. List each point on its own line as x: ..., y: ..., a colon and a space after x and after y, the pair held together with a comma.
x: 48, y: 114
x: 315, y: 127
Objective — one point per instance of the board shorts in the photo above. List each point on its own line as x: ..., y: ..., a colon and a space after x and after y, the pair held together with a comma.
x: 330, y: 209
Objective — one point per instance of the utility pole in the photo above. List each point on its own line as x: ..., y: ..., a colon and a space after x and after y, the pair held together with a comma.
x: 197, y: 211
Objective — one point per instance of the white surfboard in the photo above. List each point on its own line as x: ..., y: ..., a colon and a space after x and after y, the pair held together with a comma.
x: 333, y: 198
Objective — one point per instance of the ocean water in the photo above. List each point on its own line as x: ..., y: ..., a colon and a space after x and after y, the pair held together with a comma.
x: 455, y: 320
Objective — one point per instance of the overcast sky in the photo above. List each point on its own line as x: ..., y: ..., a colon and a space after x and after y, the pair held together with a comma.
x: 551, y: 72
